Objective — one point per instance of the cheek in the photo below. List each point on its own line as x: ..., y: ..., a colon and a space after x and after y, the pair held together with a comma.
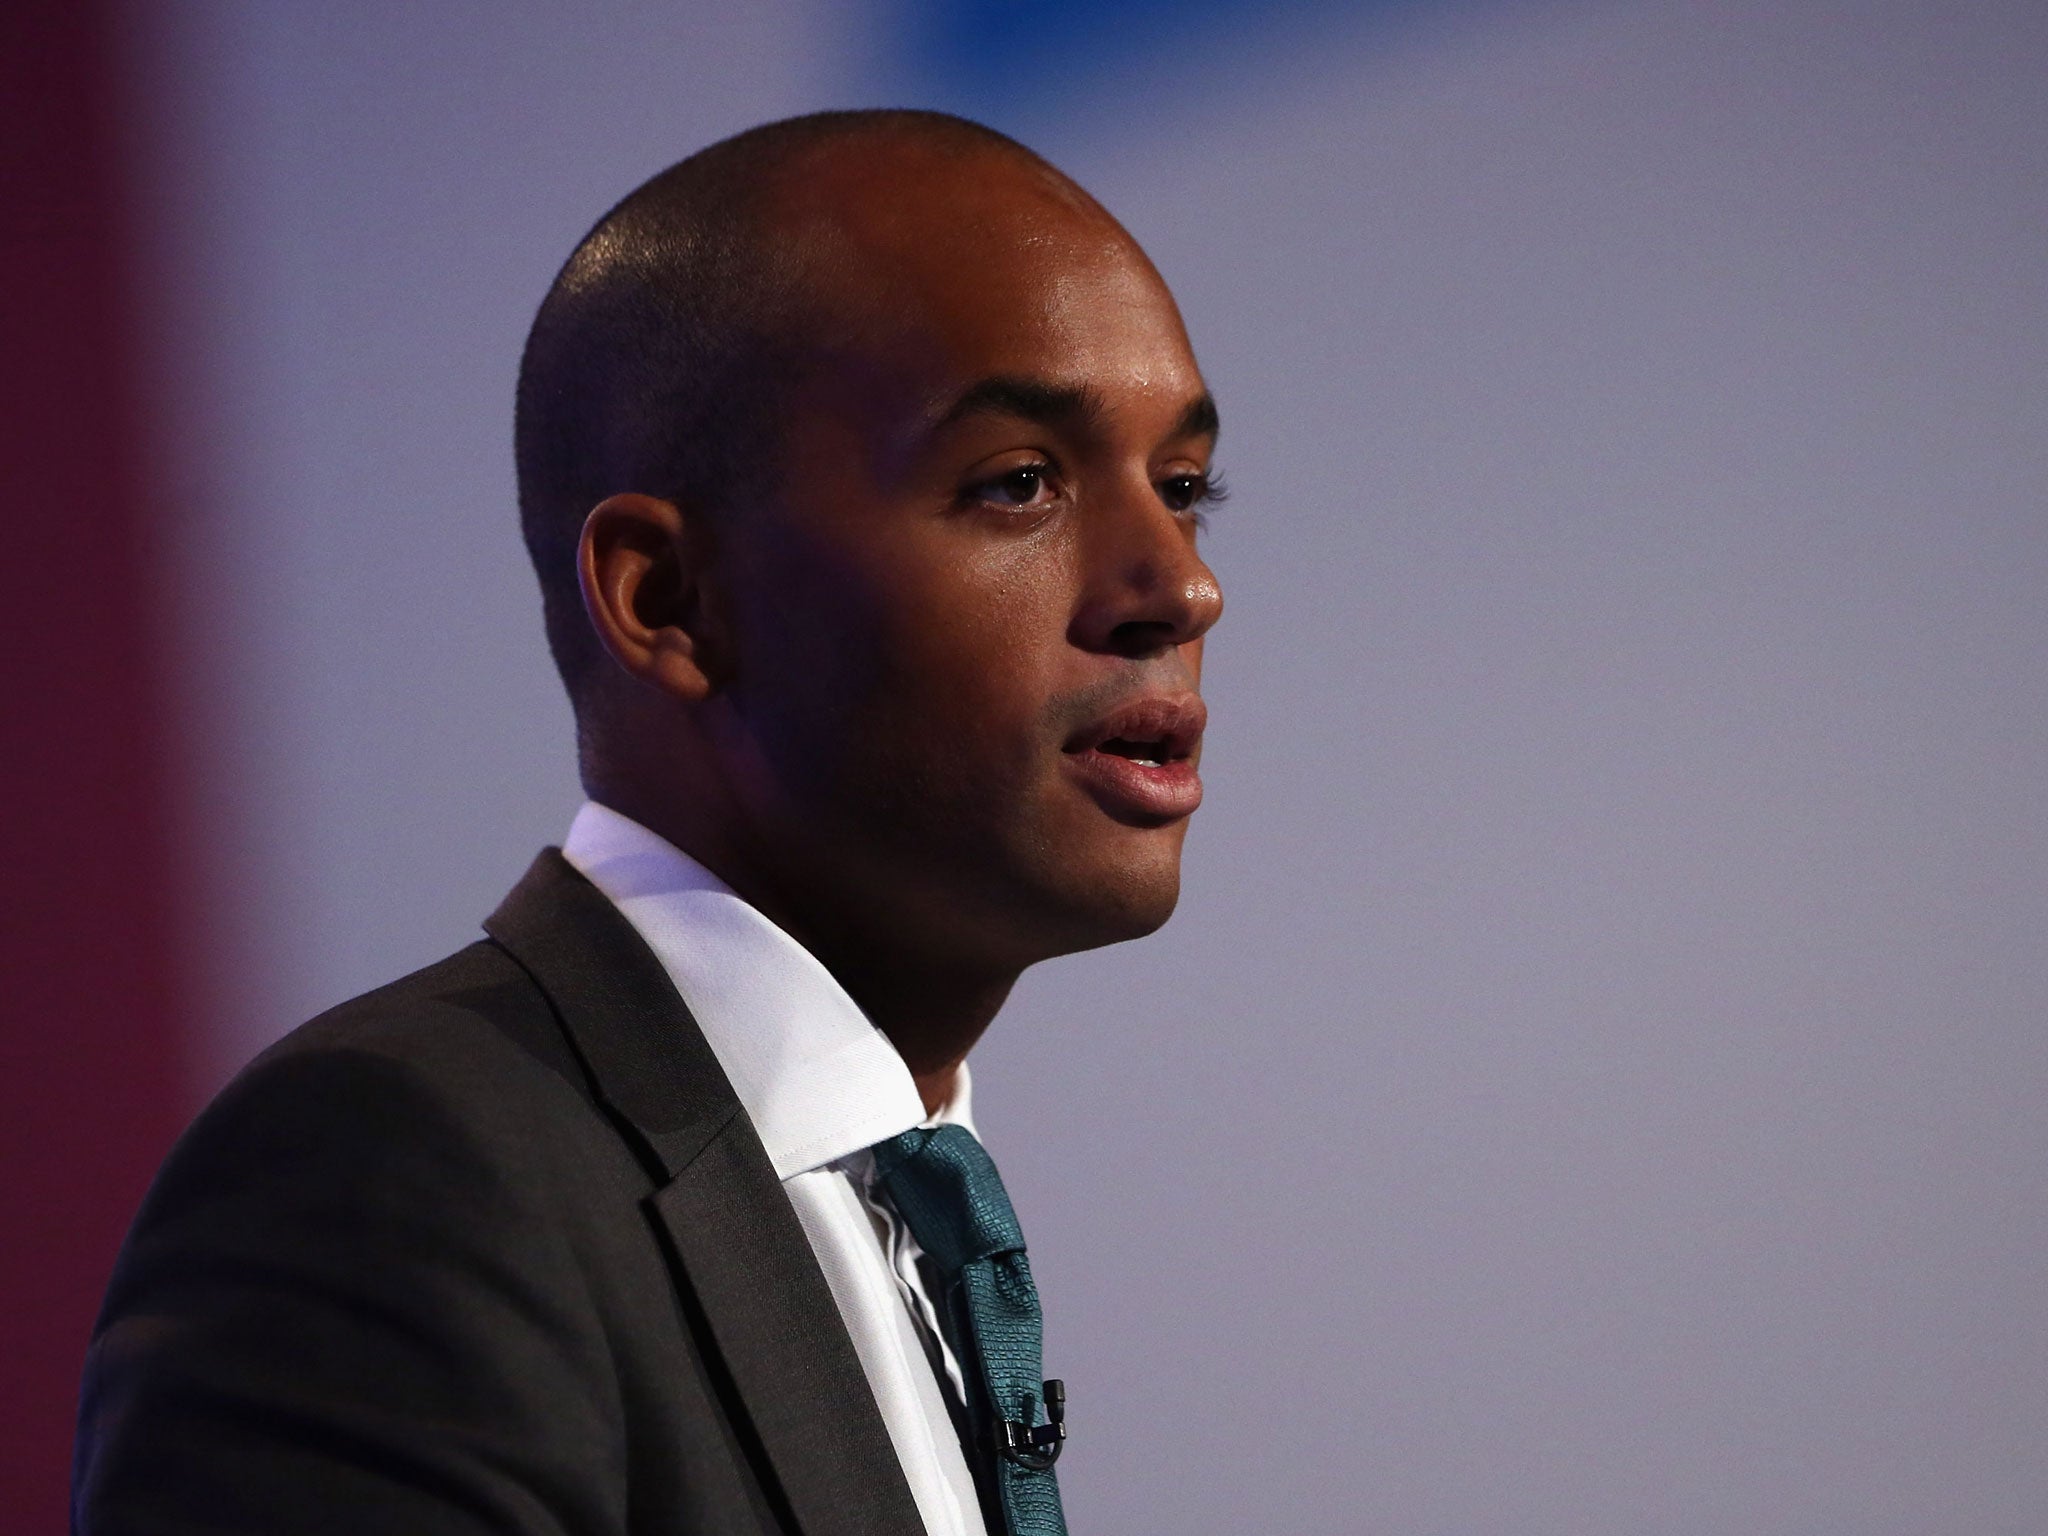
x: 919, y: 674
x: 965, y: 664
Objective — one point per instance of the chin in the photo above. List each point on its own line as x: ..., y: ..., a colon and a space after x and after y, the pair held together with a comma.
x: 1121, y: 900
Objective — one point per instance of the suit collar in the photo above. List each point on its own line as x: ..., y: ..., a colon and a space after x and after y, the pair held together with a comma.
x: 731, y: 1230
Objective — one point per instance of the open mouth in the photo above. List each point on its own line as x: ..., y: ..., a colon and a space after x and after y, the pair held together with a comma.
x: 1152, y: 732
x: 1139, y: 759
x: 1151, y: 753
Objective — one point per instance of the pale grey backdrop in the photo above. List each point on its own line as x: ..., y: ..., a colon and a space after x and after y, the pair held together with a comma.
x: 1593, y: 1085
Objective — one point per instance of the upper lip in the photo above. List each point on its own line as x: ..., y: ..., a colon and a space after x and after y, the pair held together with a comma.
x: 1171, y: 722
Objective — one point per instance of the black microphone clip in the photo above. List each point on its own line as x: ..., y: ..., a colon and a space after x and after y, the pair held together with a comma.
x: 1036, y: 1448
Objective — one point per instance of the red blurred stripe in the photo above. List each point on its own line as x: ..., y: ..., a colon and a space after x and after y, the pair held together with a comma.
x: 91, y: 1067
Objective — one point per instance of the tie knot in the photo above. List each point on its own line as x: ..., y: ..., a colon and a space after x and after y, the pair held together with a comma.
x: 945, y: 1186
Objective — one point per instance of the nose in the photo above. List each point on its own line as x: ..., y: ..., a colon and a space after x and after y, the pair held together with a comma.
x: 1145, y: 589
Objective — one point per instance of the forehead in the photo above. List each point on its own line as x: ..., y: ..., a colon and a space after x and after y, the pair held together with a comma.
x: 931, y: 267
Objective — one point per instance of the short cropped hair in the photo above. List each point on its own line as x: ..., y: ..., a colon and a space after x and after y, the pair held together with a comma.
x: 660, y: 358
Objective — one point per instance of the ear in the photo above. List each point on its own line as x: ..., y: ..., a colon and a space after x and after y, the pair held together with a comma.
x: 641, y: 563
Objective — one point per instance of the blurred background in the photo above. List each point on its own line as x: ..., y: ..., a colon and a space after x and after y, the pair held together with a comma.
x: 1594, y: 1084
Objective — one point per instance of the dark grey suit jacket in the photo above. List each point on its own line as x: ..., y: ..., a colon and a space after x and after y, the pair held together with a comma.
x: 494, y: 1248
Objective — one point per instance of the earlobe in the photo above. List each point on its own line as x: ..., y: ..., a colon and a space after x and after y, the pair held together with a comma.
x: 640, y: 565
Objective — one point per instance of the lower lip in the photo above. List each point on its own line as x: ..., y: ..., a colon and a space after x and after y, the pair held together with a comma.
x: 1151, y: 792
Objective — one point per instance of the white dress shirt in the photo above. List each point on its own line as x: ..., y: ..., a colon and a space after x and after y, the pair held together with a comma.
x: 822, y: 1085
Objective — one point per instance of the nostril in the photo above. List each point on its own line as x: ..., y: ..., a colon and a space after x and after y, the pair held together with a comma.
x: 1142, y: 639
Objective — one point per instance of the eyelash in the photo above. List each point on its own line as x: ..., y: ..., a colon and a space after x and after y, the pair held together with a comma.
x: 1204, y: 490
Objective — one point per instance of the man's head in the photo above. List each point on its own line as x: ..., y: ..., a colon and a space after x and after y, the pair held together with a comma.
x: 861, y: 459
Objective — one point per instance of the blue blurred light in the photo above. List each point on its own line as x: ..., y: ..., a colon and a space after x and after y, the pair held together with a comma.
x: 1012, y: 63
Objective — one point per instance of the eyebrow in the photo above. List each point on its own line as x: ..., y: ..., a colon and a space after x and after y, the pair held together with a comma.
x: 1057, y: 405
x: 1199, y: 419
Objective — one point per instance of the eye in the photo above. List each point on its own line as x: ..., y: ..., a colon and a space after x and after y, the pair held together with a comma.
x: 1187, y: 492
x: 1027, y: 485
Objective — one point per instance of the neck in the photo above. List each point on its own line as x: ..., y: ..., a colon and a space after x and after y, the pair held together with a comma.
x: 932, y: 1024
x: 932, y: 1008
x: 932, y: 1012
x: 931, y: 1018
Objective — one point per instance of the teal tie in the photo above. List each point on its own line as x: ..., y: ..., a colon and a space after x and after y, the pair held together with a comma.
x: 952, y: 1199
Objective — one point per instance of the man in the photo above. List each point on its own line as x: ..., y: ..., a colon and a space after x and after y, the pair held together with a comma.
x: 861, y: 460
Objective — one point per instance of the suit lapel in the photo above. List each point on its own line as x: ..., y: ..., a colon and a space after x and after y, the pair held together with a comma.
x: 735, y: 1236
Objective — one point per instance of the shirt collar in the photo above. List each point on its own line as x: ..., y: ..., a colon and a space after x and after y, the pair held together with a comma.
x: 817, y: 1079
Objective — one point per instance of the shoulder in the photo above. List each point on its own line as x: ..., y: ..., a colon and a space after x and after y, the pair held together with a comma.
x: 379, y: 1244
x: 477, y: 1011
x: 466, y: 1051
x: 445, y: 1101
